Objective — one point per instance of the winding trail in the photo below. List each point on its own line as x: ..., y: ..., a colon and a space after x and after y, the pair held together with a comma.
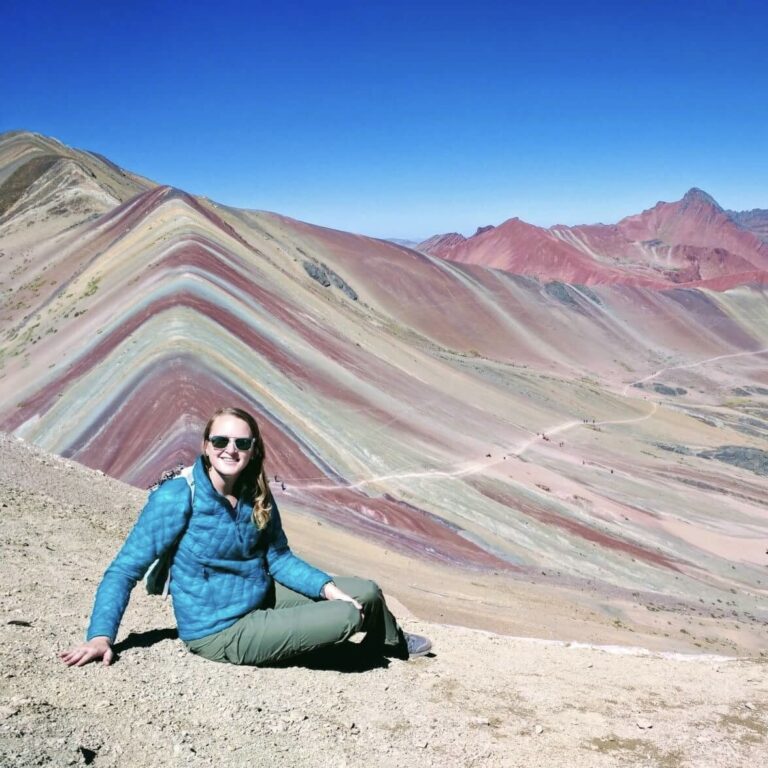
x: 625, y: 392
x: 473, y: 467
x: 688, y: 366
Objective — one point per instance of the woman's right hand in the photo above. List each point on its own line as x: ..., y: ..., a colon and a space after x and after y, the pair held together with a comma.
x: 96, y: 648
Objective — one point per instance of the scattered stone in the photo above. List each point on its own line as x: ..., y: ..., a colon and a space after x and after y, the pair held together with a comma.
x: 681, y: 449
x: 644, y: 725
x: 327, y: 277
x: 87, y: 755
x: 753, y: 459
x: 562, y: 293
x: 663, y: 389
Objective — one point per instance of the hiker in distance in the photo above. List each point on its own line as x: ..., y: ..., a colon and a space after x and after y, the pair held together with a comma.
x: 239, y: 594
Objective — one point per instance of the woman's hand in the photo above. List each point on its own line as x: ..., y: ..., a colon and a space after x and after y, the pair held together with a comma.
x: 332, y: 592
x: 96, y: 648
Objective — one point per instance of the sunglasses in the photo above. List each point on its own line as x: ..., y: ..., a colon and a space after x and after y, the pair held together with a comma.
x: 219, y: 442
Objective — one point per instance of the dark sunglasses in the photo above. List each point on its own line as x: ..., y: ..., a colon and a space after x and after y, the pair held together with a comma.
x: 219, y: 442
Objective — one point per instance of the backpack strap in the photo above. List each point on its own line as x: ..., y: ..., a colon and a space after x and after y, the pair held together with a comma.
x: 189, y: 475
x: 160, y: 571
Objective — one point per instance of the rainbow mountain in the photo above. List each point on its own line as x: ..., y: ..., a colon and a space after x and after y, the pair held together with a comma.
x: 606, y: 434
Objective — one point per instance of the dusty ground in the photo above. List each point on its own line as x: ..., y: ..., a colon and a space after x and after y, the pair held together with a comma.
x: 482, y: 699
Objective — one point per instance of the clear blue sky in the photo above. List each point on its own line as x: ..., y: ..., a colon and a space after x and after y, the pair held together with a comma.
x: 402, y: 119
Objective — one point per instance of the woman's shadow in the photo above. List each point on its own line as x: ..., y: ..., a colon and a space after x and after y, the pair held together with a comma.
x: 145, y: 639
x: 343, y: 657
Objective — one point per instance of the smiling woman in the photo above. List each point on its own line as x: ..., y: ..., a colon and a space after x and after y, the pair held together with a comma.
x: 239, y: 594
x: 235, y: 447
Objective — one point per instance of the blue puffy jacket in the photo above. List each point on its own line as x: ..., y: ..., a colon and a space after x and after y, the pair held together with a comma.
x: 223, y: 566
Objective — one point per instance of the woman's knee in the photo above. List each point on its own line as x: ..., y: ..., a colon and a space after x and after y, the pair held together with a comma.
x: 363, y: 590
x: 369, y: 592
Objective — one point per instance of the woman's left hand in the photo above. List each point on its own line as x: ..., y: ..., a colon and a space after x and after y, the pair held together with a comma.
x: 332, y: 592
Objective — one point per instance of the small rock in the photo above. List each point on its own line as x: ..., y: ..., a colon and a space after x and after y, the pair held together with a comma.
x: 87, y: 755
x: 539, y: 729
x: 644, y: 725
x: 480, y: 721
x: 749, y: 705
x: 6, y: 712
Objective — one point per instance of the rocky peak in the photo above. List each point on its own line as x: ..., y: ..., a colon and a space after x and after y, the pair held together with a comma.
x: 696, y: 197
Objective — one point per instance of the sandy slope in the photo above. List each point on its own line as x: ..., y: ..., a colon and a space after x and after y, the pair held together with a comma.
x: 483, y: 699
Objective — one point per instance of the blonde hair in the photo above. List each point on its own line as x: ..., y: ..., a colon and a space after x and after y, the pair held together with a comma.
x: 253, y: 478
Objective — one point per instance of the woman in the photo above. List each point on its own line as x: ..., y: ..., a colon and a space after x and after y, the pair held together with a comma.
x: 239, y: 594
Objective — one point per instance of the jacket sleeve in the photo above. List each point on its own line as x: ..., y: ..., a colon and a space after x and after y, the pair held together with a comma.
x: 160, y: 523
x: 285, y: 567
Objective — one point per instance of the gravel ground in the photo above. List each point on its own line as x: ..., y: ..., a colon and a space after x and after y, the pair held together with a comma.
x: 480, y: 700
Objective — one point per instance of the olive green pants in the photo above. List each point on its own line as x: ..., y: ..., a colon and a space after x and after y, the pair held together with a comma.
x: 292, y: 624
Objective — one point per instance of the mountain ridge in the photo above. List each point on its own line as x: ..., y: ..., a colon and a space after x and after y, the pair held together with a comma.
x: 692, y: 242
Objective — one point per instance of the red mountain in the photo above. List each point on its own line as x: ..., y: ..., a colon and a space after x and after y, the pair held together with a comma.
x: 689, y: 242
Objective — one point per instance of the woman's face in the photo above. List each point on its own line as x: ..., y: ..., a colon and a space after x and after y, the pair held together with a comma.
x: 228, y: 462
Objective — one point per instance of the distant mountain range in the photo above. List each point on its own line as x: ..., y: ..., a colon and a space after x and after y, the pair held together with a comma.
x: 590, y: 403
x: 692, y: 242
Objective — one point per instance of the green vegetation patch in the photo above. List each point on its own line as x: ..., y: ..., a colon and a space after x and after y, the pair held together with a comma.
x: 751, y: 726
x: 92, y: 287
x: 638, y: 748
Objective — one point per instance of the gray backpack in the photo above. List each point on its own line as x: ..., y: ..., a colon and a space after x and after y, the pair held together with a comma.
x: 157, y: 579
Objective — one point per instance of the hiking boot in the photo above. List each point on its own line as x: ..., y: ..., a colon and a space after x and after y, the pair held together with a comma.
x: 408, y: 646
x: 417, y: 645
